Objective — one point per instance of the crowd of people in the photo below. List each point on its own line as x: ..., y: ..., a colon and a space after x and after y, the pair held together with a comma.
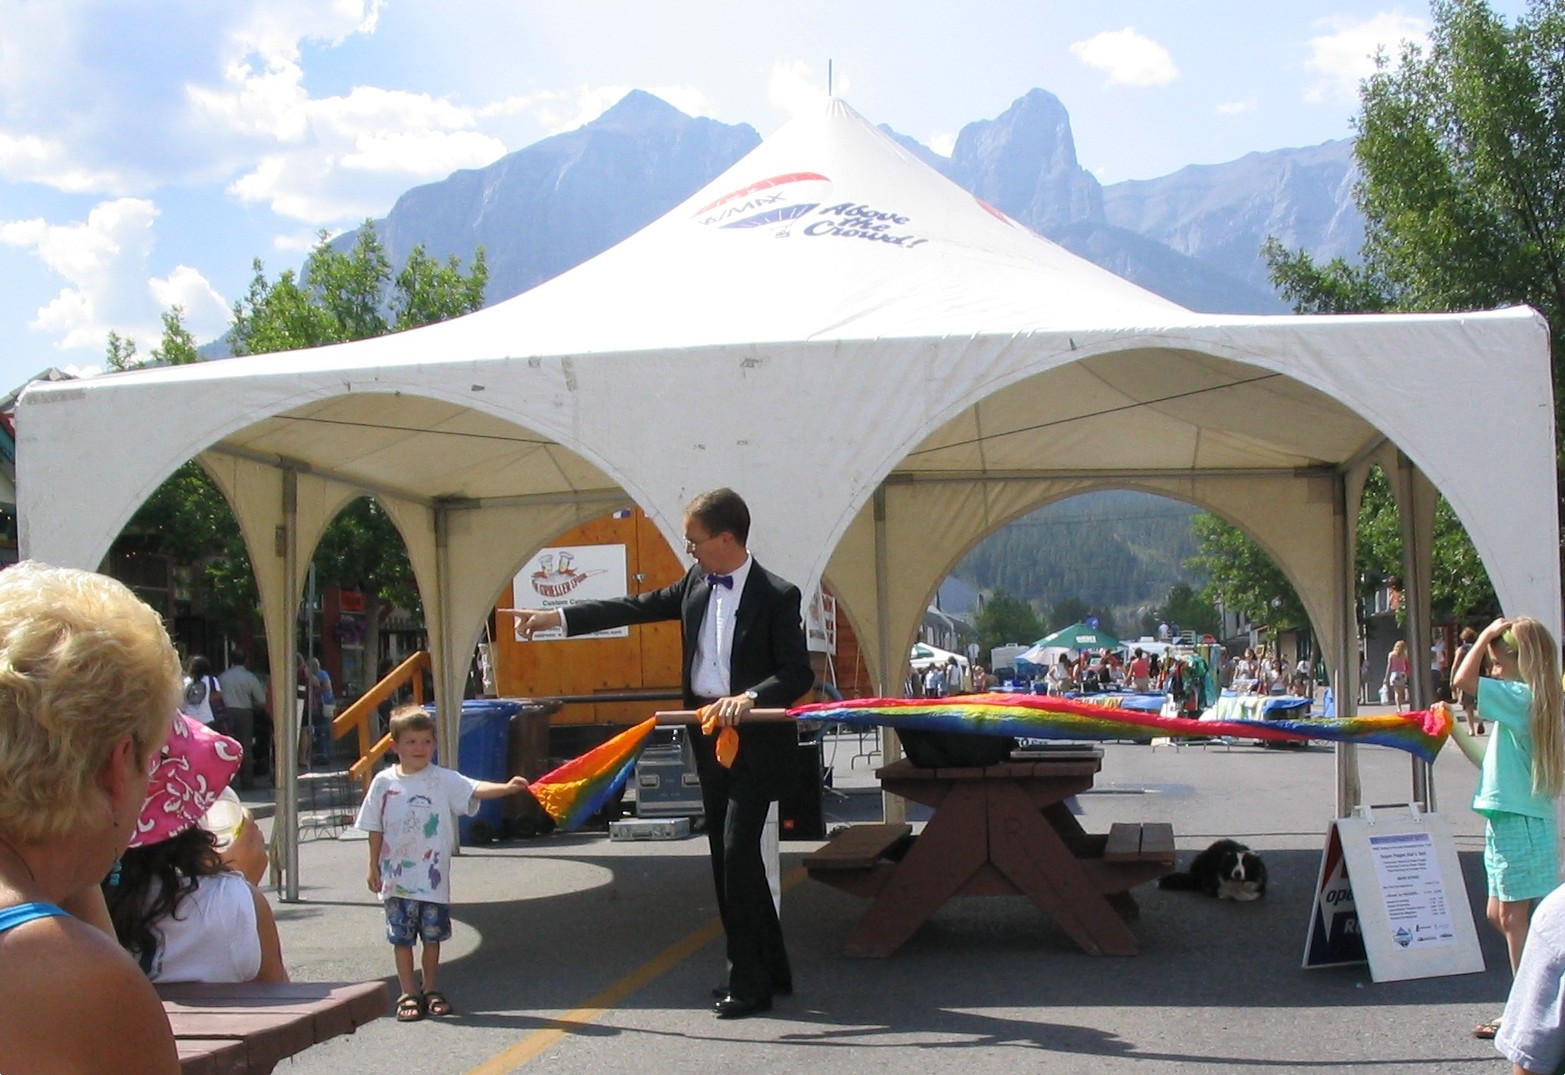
x: 125, y: 861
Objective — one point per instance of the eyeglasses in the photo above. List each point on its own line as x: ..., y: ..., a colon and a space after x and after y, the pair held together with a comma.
x: 692, y: 546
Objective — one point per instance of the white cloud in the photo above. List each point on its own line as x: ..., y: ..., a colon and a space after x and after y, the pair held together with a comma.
x: 98, y: 98
x: 276, y: 27
x: 798, y: 87
x: 943, y: 144
x: 28, y: 158
x: 103, y: 262
x: 269, y: 103
x: 1127, y: 57
x: 1237, y: 108
x: 355, y: 153
x: 206, y: 313
x: 1345, y: 55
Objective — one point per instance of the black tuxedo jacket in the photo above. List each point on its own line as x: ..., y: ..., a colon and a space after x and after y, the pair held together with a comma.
x: 769, y: 656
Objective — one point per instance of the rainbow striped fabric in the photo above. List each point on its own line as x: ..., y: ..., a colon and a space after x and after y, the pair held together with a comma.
x: 1421, y: 733
x: 582, y: 786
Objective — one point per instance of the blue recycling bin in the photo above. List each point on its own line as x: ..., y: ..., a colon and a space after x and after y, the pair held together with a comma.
x: 484, y: 754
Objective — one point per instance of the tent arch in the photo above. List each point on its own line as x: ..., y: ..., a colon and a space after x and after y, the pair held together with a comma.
x: 1312, y: 578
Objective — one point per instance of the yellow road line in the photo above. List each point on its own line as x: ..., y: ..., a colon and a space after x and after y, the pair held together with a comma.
x: 596, y: 1006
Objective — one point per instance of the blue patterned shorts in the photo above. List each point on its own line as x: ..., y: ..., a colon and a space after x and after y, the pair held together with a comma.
x: 409, y: 920
x: 1519, y: 857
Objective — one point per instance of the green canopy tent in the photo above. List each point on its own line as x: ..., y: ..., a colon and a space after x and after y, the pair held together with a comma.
x: 1079, y: 636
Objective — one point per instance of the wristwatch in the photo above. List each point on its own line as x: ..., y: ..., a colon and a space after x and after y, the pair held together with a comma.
x: 753, y: 695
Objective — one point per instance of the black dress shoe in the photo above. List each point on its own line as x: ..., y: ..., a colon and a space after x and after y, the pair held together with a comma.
x: 732, y: 1007
x: 779, y: 989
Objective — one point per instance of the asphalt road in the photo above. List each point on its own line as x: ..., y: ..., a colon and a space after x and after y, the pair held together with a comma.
x: 578, y: 954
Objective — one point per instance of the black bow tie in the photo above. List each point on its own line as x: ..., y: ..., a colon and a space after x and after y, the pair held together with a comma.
x: 721, y: 580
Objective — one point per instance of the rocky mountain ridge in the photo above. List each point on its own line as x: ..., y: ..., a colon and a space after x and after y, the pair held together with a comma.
x: 1193, y: 236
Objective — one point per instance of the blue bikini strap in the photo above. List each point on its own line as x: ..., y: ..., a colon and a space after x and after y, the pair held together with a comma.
x: 22, y: 913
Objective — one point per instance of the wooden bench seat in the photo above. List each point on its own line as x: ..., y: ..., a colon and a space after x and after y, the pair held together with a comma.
x: 1148, y: 841
x: 858, y: 847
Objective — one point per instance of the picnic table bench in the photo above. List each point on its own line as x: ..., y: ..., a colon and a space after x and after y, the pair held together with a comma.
x: 998, y: 830
x: 247, y: 1028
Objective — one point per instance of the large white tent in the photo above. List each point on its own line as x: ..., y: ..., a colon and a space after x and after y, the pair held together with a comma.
x: 886, y: 368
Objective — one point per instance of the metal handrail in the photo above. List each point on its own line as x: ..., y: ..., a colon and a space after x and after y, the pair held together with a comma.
x: 356, y: 717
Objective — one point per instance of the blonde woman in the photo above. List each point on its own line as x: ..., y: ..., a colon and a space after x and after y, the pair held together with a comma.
x: 1398, y: 668
x: 1520, y: 772
x: 88, y: 685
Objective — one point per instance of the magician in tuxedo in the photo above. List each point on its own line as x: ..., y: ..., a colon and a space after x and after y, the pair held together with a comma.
x: 744, y: 648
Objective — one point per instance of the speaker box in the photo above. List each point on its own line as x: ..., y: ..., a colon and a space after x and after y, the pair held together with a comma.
x: 799, y: 815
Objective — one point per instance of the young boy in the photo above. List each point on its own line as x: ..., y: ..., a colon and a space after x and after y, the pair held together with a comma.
x: 410, y: 815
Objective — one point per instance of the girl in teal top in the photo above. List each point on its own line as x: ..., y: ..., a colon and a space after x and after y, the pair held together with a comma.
x: 1521, y: 770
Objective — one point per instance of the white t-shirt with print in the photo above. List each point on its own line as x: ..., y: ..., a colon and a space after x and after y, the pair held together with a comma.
x: 416, y: 813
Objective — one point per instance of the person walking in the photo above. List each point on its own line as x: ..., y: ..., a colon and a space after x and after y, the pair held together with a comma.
x: 245, y: 697
x: 743, y: 647
x: 323, y: 709
x: 1398, y: 668
x: 202, y: 693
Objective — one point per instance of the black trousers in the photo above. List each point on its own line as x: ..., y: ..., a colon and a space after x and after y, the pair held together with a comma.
x: 735, y: 818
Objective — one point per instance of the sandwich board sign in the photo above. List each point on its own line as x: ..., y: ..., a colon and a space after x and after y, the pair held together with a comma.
x: 1390, y: 892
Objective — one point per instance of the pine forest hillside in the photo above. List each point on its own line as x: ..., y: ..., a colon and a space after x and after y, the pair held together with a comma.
x: 1121, y: 551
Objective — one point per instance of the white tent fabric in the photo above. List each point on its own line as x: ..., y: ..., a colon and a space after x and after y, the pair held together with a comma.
x: 886, y: 368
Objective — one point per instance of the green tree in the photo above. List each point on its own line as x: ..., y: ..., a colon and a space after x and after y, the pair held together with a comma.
x: 1187, y: 608
x: 1069, y: 610
x: 120, y: 354
x: 1334, y: 288
x: 1459, y: 586
x: 1241, y: 577
x: 1003, y: 620
x: 341, y: 295
x: 179, y: 346
x: 428, y: 291
x: 1461, y: 148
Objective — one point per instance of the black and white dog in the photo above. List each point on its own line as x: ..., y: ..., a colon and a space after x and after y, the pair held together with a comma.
x: 1228, y: 870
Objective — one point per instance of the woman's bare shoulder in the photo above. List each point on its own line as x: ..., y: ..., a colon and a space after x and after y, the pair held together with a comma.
x: 72, y: 1000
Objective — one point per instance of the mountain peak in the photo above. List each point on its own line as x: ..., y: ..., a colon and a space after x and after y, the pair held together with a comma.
x: 1024, y: 163
x: 638, y: 110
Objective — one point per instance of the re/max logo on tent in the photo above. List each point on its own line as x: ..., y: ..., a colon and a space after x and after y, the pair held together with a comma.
x: 779, y: 202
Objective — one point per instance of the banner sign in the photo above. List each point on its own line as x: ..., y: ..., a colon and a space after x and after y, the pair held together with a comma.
x: 560, y: 577
x: 1399, y: 878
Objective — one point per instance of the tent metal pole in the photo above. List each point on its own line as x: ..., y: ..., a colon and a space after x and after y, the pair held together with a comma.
x: 1345, y: 673
x: 448, y: 701
x: 893, y: 807
x: 1415, y: 512
x: 284, y: 696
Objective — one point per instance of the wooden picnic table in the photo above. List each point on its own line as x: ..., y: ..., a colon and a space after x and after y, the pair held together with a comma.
x: 246, y: 1028
x: 1003, y: 829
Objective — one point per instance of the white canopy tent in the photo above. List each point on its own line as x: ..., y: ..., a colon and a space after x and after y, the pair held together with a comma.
x: 886, y: 368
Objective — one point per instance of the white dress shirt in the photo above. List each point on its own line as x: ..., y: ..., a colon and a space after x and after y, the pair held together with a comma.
x: 714, y: 649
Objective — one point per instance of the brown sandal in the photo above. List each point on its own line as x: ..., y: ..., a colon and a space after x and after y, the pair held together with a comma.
x: 436, y: 1004
x: 1487, y: 1029
x: 410, y: 1008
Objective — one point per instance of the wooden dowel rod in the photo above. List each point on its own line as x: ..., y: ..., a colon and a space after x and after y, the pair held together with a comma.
x: 688, y: 716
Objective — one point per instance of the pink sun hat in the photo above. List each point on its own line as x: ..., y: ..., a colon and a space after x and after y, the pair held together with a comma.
x: 192, y: 770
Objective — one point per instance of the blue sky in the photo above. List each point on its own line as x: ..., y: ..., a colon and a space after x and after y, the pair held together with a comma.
x: 150, y: 149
